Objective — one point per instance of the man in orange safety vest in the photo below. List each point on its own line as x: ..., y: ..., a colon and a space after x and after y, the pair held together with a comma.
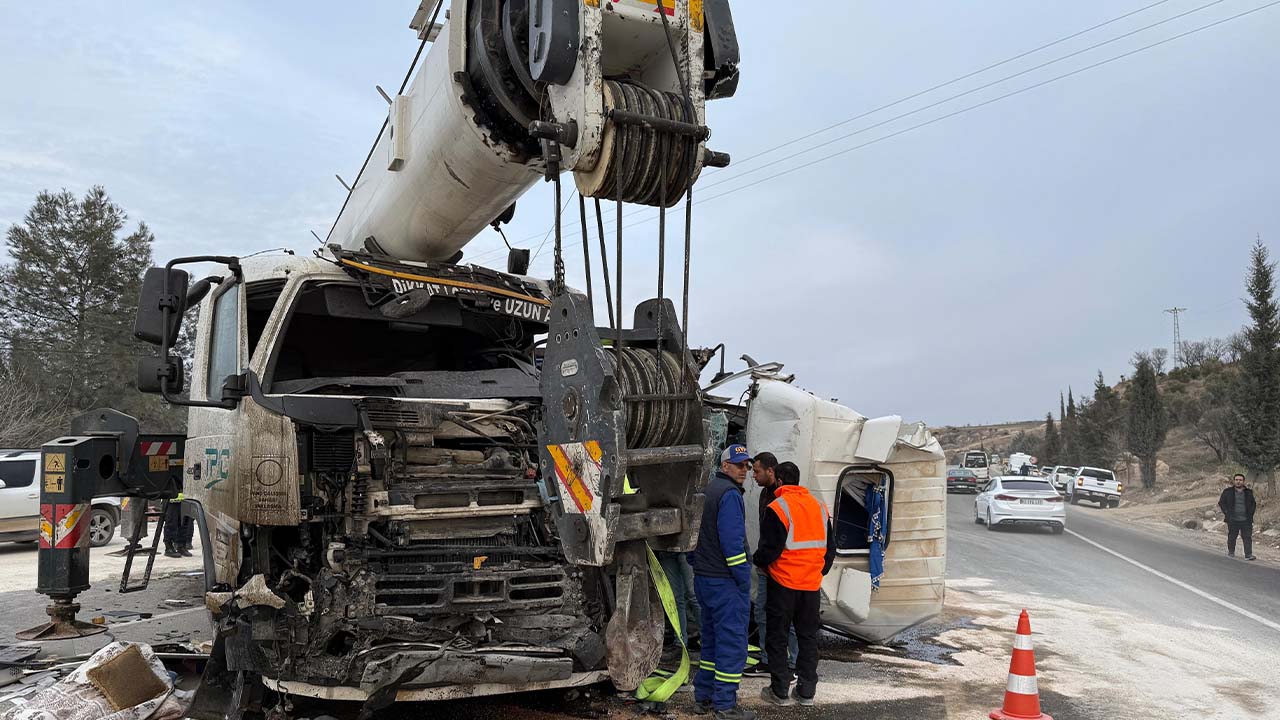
x: 797, y: 547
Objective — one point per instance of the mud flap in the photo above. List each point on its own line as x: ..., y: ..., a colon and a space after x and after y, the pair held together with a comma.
x: 222, y: 694
x: 633, y: 638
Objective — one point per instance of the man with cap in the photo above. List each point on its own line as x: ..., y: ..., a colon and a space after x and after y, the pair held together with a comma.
x: 722, y: 582
x: 797, y: 547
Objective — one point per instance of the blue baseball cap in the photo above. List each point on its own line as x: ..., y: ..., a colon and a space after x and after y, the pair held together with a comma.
x: 735, y: 454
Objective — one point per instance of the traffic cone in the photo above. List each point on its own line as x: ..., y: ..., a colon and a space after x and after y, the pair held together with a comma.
x: 1022, y: 697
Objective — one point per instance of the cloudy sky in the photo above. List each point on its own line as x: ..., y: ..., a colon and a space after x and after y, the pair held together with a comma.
x: 962, y: 271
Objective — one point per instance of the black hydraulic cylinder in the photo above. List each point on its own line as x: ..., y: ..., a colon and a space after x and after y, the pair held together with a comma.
x: 70, y: 469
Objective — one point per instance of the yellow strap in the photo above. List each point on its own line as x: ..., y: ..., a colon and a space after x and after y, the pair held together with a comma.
x: 626, y: 486
x: 660, y: 686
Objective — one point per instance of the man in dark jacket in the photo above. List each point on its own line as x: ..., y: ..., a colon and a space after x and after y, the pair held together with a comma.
x: 763, y: 466
x: 722, y: 582
x: 1238, y: 504
x: 797, y: 548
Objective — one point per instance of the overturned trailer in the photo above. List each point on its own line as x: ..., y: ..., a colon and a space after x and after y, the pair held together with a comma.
x: 890, y: 567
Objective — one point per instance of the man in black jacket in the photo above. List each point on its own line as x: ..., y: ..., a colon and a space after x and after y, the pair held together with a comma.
x: 1238, y: 504
x: 797, y: 548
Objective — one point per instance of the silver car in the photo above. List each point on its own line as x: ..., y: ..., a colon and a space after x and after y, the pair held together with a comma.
x: 1018, y: 500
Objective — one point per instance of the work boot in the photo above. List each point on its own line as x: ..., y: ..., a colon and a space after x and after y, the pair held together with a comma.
x: 735, y: 713
x: 795, y: 695
x: 1250, y: 557
x: 184, y: 550
x: 171, y: 551
x: 702, y: 707
x: 767, y: 694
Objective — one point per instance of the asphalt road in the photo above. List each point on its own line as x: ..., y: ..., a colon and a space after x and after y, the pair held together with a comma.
x: 1191, y: 633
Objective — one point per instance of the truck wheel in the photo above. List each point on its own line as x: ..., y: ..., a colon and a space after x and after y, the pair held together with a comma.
x: 1057, y: 529
x: 1115, y: 503
x: 102, y: 527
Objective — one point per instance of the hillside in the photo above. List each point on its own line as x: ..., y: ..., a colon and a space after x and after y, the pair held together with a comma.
x: 1189, y: 474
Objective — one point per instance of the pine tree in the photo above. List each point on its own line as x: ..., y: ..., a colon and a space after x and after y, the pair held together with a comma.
x: 1052, y: 446
x: 67, y: 299
x: 1070, y: 438
x: 1148, y: 422
x: 1099, y: 426
x: 1255, y: 397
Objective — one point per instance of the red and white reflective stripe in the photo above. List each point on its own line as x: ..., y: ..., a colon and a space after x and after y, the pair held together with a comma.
x: 68, y: 531
x: 159, y: 448
x: 1022, y: 642
x: 1023, y: 684
x: 46, y: 526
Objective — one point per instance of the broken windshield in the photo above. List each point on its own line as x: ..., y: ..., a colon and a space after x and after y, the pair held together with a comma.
x: 334, y: 343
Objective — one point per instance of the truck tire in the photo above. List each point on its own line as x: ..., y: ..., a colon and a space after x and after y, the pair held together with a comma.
x: 102, y: 526
x: 1115, y: 502
x: 1057, y: 529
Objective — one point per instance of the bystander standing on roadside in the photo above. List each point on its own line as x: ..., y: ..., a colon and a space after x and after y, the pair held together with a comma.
x: 1238, y: 504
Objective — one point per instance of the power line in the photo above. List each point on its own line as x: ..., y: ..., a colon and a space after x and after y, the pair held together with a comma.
x: 912, y: 96
x: 976, y: 106
x: 950, y: 82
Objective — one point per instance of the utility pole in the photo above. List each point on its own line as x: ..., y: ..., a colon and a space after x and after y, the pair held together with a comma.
x: 1177, y: 333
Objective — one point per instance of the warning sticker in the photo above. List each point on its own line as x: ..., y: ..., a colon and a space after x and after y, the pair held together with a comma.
x: 158, y: 463
x: 54, y: 482
x: 55, y: 462
x: 578, y: 468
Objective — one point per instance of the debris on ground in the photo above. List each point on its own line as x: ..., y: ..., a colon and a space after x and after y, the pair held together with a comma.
x: 122, y: 681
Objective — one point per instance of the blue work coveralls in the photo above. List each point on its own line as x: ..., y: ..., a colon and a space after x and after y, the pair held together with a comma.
x: 722, y: 582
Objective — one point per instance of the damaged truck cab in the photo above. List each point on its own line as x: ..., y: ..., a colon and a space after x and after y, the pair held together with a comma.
x: 393, y: 515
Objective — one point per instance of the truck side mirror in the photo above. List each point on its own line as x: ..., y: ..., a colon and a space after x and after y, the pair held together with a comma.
x: 149, y: 324
x: 153, y: 371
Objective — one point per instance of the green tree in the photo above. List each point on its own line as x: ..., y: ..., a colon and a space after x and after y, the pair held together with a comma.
x: 1070, y: 437
x: 67, y: 300
x: 1148, y: 423
x: 1099, y: 426
x: 1051, y: 448
x: 1255, y: 398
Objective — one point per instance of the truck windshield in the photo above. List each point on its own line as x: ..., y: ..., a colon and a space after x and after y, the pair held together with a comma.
x: 334, y: 343
x: 1096, y: 473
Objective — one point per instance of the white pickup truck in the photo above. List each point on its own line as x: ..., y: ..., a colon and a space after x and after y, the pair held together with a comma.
x: 1061, y: 476
x: 1096, y: 485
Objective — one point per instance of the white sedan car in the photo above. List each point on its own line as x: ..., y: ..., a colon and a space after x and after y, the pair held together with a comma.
x: 1018, y: 500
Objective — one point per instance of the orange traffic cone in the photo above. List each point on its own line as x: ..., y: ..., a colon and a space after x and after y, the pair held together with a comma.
x: 1022, y: 697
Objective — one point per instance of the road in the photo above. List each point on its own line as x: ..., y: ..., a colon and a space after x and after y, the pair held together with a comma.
x: 1190, y: 633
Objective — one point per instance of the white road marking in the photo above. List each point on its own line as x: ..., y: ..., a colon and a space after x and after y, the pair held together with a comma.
x: 1185, y: 586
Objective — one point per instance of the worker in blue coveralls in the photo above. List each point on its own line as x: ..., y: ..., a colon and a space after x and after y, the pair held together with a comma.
x: 722, y: 582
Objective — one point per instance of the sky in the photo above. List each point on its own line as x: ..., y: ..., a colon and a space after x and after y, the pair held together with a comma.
x: 953, y: 266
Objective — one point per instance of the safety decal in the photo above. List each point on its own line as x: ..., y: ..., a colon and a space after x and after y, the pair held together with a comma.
x: 578, y: 469
x: 46, y: 525
x: 69, y: 524
x: 159, y: 448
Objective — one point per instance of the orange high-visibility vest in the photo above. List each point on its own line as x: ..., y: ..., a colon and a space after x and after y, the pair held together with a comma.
x: 805, y: 518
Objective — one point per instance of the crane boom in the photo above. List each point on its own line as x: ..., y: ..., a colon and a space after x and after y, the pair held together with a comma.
x: 464, y: 139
